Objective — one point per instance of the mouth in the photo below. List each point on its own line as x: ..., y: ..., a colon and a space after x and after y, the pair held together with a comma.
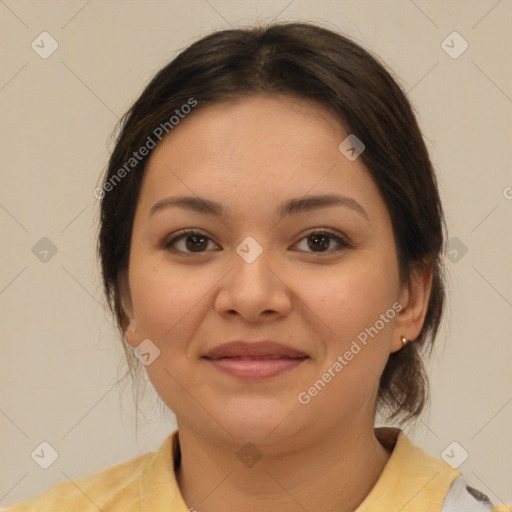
x: 254, y: 360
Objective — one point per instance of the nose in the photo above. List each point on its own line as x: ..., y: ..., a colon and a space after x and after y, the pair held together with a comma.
x: 254, y: 289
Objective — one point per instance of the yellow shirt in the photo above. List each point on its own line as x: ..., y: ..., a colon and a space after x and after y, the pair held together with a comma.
x: 412, y: 481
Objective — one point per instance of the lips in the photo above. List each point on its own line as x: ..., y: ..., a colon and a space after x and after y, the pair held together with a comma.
x: 254, y: 360
x: 255, y: 350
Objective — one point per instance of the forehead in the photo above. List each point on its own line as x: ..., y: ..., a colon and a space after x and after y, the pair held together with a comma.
x: 252, y: 149
x: 276, y: 124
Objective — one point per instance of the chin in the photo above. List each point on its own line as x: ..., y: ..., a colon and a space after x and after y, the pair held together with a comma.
x: 260, y: 422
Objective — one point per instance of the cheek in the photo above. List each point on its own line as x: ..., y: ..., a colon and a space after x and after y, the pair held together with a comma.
x: 350, y: 298
x: 357, y: 306
x: 170, y: 302
x: 357, y: 317
x: 166, y: 302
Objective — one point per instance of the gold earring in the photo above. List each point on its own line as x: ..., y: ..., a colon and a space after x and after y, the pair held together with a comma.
x: 404, y: 340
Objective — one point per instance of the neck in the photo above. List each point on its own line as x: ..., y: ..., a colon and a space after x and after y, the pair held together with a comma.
x: 336, y: 472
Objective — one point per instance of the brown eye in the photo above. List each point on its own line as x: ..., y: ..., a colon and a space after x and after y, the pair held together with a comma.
x: 319, y: 241
x: 193, y: 242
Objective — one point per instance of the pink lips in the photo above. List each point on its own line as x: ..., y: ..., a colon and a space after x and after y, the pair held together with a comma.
x: 254, y: 360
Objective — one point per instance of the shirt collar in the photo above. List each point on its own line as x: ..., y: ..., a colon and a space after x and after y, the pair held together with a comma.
x: 158, y: 486
x: 412, y: 479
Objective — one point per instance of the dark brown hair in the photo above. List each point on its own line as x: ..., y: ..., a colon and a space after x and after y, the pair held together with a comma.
x: 311, y: 62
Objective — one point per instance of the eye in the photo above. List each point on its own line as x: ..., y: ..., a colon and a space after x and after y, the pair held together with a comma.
x: 321, y: 239
x: 195, y: 242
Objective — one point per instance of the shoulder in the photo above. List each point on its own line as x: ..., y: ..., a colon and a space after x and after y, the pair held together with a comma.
x: 113, y: 488
x: 422, y: 481
x: 462, y: 497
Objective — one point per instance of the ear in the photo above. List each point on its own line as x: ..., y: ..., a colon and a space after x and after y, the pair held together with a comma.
x: 131, y: 334
x: 127, y: 305
x: 414, y: 298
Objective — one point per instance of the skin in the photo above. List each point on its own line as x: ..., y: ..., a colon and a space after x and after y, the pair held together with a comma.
x: 320, y: 456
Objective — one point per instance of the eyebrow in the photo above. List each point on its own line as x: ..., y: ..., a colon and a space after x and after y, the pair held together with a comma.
x: 294, y: 206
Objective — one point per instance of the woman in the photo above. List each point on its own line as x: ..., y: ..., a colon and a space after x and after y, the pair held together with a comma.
x: 271, y: 240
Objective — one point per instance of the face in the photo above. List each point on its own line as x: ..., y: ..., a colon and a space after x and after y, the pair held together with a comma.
x: 321, y: 280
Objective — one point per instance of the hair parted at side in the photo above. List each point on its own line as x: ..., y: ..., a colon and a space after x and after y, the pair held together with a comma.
x: 308, y: 61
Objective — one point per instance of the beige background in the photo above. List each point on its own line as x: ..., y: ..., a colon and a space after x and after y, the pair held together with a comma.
x: 60, y: 355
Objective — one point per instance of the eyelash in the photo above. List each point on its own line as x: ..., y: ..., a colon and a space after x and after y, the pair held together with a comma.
x: 189, y: 232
